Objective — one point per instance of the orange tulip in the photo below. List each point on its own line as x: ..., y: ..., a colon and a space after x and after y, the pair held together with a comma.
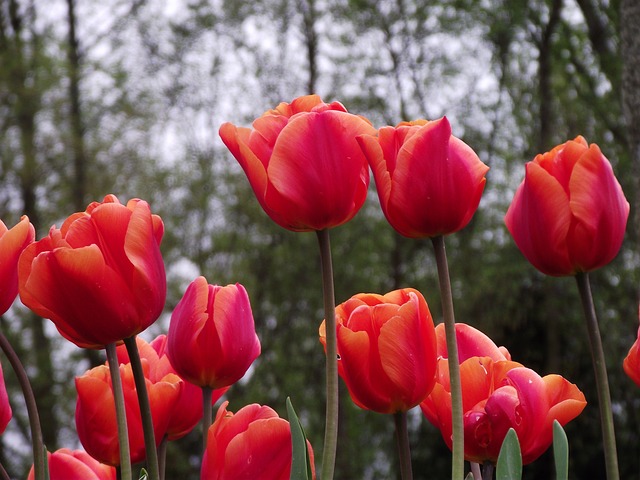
x: 212, y: 340
x: 100, y: 278
x: 631, y: 362
x: 499, y: 394
x: 252, y: 443
x: 5, y: 407
x: 303, y: 162
x: 569, y: 214
x: 12, y: 242
x: 65, y: 464
x: 96, y: 412
x: 188, y: 408
x: 429, y: 182
x: 386, y: 348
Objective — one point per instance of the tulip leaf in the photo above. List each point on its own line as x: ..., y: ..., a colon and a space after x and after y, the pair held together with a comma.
x: 560, y: 451
x: 300, y: 463
x: 469, y: 476
x: 143, y: 475
x: 509, y: 465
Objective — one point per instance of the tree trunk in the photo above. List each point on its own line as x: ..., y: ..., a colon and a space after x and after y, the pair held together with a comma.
x: 630, y: 50
x: 26, y: 105
x: 544, y: 78
x: 77, y: 124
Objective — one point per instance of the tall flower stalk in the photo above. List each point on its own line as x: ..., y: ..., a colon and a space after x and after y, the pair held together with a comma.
x: 568, y: 217
x: 308, y: 174
x: 145, y: 409
x: 602, y: 381
x: 331, y: 420
x: 457, y: 466
x: 121, y: 416
x: 37, y: 444
x: 404, y: 449
x: 429, y: 184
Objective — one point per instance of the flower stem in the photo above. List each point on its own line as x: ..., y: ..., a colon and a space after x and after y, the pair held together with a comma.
x: 162, y: 456
x: 402, y: 440
x: 602, y: 381
x: 331, y: 422
x: 121, y: 415
x: 145, y: 409
x: 207, y: 415
x: 457, y: 440
x: 37, y: 443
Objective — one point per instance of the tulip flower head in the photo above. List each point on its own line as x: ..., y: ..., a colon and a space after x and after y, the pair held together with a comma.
x: 252, y: 443
x: 303, y: 162
x: 65, y: 464
x: 100, y: 278
x: 631, y: 363
x: 12, y: 242
x: 499, y: 394
x: 569, y: 214
x: 387, y: 349
x: 212, y: 340
x: 5, y: 407
x: 188, y: 407
x: 96, y: 412
x: 429, y: 182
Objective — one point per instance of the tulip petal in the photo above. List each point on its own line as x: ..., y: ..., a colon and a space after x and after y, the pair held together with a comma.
x: 539, y: 219
x: 360, y: 369
x: 309, y: 153
x: 67, y: 283
x: 601, y: 210
x: 371, y: 147
x: 262, y: 451
x: 12, y: 243
x: 407, y: 354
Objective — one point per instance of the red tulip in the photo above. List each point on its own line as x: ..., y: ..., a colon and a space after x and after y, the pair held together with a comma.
x: 569, y: 214
x: 252, y: 443
x: 96, y: 413
x: 429, y: 182
x: 387, y: 349
x: 65, y: 464
x: 188, y: 408
x: 499, y: 394
x: 5, y: 406
x: 631, y: 363
x: 212, y: 340
x: 100, y: 278
x: 303, y: 162
x: 12, y: 243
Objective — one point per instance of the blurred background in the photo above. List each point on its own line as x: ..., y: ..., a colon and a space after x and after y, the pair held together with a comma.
x: 126, y: 97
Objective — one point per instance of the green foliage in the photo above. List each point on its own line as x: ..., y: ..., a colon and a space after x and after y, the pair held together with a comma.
x: 560, y: 451
x: 509, y: 466
x: 300, y: 464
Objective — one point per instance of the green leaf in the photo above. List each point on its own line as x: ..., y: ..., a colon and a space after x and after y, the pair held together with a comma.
x: 300, y: 463
x: 560, y: 451
x: 469, y: 476
x: 143, y: 475
x: 510, y: 459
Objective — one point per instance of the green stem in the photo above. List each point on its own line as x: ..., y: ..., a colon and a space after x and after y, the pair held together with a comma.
x: 457, y: 432
x: 402, y: 440
x: 207, y: 415
x: 145, y: 408
x: 3, y: 473
x: 121, y: 415
x: 331, y: 422
x: 37, y: 443
x: 602, y: 381
x: 162, y: 456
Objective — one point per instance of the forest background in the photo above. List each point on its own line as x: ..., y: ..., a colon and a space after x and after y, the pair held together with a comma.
x: 126, y: 97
